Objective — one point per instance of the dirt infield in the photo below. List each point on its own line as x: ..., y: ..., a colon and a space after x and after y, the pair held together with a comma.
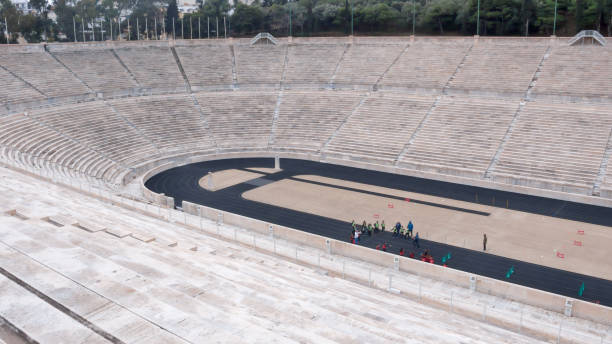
x: 563, y: 244
x: 227, y: 178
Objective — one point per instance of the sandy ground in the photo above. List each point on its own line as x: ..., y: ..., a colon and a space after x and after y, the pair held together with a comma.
x: 227, y: 178
x: 514, y: 234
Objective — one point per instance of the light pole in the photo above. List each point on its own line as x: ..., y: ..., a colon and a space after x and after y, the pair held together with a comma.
x: 555, y: 20
x: 478, y: 20
x: 352, y: 14
x: 413, y: 16
x: 289, y: 3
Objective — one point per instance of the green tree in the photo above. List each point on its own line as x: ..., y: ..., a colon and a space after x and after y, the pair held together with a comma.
x: 379, y: 16
x: 215, y: 9
x: 441, y: 14
x: 65, y: 13
x: 546, y: 16
x: 579, y: 15
x: 308, y: 6
x: 171, y: 14
x: 8, y: 11
x: 247, y: 19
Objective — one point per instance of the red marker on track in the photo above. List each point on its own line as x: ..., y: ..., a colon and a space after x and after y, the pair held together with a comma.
x: 407, y: 199
x: 581, y: 232
x: 390, y: 205
x: 577, y: 243
x: 560, y: 255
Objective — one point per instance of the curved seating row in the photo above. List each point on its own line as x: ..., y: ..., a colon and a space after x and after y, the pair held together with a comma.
x: 460, y: 65
x: 544, y: 145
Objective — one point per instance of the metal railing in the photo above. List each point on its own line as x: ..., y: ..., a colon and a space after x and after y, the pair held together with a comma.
x: 594, y: 34
x: 264, y: 35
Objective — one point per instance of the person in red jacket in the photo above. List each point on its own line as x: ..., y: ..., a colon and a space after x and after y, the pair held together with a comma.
x: 401, y: 252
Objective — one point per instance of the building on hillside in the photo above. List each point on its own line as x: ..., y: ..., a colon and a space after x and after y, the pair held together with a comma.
x: 22, y: 5
x: 187, y: 6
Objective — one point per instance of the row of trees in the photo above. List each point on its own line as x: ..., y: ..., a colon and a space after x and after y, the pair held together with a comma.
x: 81, y: 19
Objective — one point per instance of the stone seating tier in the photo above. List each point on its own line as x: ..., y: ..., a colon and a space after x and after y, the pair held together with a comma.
x: 14, y: 90
x: 206, y: 65
x: 153, y: 67
x: 45, y: 73
x: 99, y: 69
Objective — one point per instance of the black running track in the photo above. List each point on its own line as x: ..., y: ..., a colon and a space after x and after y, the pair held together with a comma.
x: 182, y: 184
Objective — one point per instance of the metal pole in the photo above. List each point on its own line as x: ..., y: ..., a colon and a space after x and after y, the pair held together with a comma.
x: 83, y: 24
x: 555, y: 20
x: 182, y: 28
x: 208, y: 26
x: 102, y: 29
x: 74, y: 28
x: 290, y: 32
x: 199, y: 32
x: 413, y: 16
x: 224, y: 29
x: 93, y: 31
x: 217, y: 27
x: 8, y: 34
x: 156, y: 37
x: 352, y: 14
x: 137, y: 30
x: 190, y: 28
x: 147, y: 28
x: 478, y: 20
x: 111, y: 28
x: 129, y: 31
x: 173, y: 29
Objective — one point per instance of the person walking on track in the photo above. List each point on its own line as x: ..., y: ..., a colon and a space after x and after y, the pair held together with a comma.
x: 484, y: 242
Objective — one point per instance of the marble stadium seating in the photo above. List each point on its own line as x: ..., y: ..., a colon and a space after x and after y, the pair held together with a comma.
x: 526, y: 112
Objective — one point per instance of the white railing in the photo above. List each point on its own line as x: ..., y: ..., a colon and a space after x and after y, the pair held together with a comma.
x: 588, y: 34
x: 264, y: 35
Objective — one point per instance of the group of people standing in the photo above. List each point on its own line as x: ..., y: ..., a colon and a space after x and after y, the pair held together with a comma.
x: 399, y: 231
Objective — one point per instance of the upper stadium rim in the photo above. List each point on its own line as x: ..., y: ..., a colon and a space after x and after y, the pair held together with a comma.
x: 516, y: 114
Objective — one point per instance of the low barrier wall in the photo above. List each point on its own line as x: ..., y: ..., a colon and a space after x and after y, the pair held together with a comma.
x: 526, y: 295
x: 515, y: 292
x: 191, y: 157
